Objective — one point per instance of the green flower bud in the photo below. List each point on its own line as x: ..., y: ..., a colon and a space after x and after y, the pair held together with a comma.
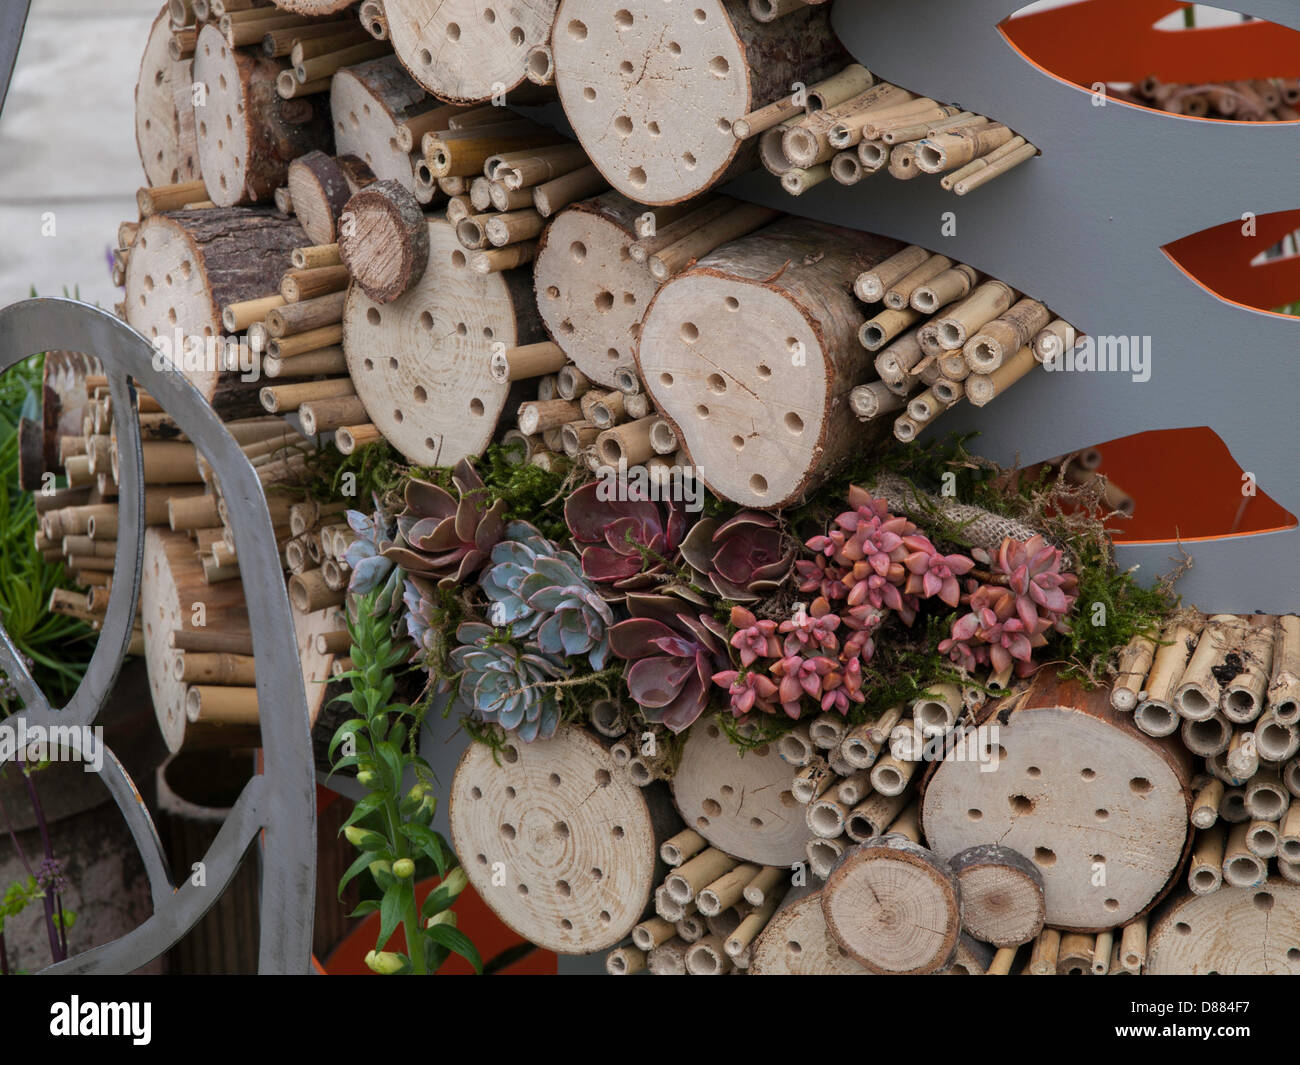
x: 455, y: 881
x: 447, y: 917
x: 355, y: 835
x: 418, y: 792
x: 403, y: 868
x: 367, y: 778
x: 385, y: 962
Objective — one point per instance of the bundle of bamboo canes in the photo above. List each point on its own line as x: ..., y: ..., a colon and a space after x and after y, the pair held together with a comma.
x: 946, y: 332
x: 806, y: 137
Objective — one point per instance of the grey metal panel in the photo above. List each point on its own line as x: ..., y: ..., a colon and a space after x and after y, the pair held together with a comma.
x: 1081, y: 228
x: 281, y: 800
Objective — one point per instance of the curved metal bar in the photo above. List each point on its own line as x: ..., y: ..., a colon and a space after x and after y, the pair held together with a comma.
x: 285, y: 807
x: 183, y: 909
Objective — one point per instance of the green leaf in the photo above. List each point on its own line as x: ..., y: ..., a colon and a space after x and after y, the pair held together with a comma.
x: 367, y: 804
x: 393, y: 762
x: 355, y: 869
x: 390, y: 913
x: 348, y: 728
x: 456, y: 940
x: 366, y: 908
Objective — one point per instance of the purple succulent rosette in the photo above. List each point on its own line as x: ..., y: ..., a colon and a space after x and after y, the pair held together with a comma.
x: 742, y: 559
x: 674, y: 653
x: 629, y: 544
x: 446, y: 538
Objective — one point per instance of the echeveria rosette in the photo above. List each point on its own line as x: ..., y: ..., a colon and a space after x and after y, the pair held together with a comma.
x: 502, y: 684
x: 1033, y: 571
x: 748, y: 690
x: 754, y: 639
x: 444, y: 538
x: 365, y: 555
x: 930, y: 573
x: 811, y: 630
x: 993, y: 634
x: 627, y: 543
x: 744, y: 558
x: 535, y: 588
x: 674, y: 653
x: 512, y: 561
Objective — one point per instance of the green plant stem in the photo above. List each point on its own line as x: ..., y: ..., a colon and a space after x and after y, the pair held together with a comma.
x: 411, y: 914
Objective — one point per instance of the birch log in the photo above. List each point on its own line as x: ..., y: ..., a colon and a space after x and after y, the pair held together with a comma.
x: 247, y: 133
x: 367, y: 103
x: 796, y: 942
x: 752, y: 354
x: 591, y: 295
x: 579, y: 843
x: 187, y: 266
x: 1080, y: 791
x: 895, y: 906
x: 422, y: 364
x: 652, y: 89
x: 465, y: 52
x: 1235, y: 931
x: 741, y: 805
x: 164, y: 111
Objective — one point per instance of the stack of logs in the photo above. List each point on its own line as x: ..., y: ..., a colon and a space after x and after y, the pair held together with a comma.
x: 1258, y: 100
x: 192, y: 622
x: 951, y: 834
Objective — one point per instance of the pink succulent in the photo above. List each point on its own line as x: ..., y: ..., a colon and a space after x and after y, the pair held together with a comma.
x: 748, y: 691
x: 822, y: 577
x: 1033, y: 571
x: 813, y: 630
x: 799, y: 677
x: 843, y: 688
x: 931, y: 574
x: 754, y: 639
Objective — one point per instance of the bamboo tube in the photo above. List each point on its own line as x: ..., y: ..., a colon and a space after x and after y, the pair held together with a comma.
x: 982, y: 389
x: 1261, y: 839
x: 627, y: 443
x: 280, y: 398
x: 1198, y: 693
x: 286, y: 347
x: 1156, y: 715
x: 1134, y: 665
x: 1002, y: 960
x: 1042, y: 960
x: 1133, y: 945
x: 652, y: 932
x: 1284, y: 687
x: 1243, y: 697
x: 347, y: 438
x: 1241, y: 868
x: 518, y: 170
x: 1101, y: 953
x: 682, y: 847
x: 556, y: 194
x: 996, y: 169
x: 887, y: 325
x: 1289, y: 834
x: 576, y: 436
x: 795, y: 747
x: 1074, y: 955
x: 765, y: 886
x: 162, y: 198
x: 947, y: 287
x: 1205, y: 808
x: 510, y: 228
x: 603, y: 409
x: 537, y: 417
x: 726, y: 890
x: 708, y: 957
x: 812, y: 781
x: 950, y: 150
x: 987, y: 302
x: 331, y: 414
x: 1006, y: 334
x: 527, y: 361
x: 625, y: 961
x: 899, y: 294
x: 221, y: 705
x: 291, y: 319
x: 498, y: 260
x: 693, y: 876
x: 300, y: 285
x: 326, y: 361
x: 215, y: 669
x: 902, y: 162
x: 463, y: 153
x: 308, y: 592
x: 736, y: 223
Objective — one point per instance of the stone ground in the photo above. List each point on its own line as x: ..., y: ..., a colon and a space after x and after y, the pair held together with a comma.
x: 67, y: 146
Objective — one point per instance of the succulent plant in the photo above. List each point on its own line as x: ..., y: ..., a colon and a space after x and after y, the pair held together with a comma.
x: 1033, y: 571
x: 630, y: 543
x: 370, y: 569
x: 992, y: 633
x: 754, y: 639
x: 822, y: 576
x: 931, y: 574
x: 445, y: 538
x: 536, y: 587
x: 748, y: 690
x: 743, y: 559
x: 675, y: 652
x: 505, y: 685
x: 811, y: 630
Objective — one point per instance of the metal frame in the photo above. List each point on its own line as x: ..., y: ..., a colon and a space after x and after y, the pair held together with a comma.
x: 280, y: 802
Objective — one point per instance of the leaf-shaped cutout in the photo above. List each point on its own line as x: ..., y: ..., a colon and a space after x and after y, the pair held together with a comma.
x: 1187, y: 486
x: 1233, y: 70
x: 1251, y: 261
